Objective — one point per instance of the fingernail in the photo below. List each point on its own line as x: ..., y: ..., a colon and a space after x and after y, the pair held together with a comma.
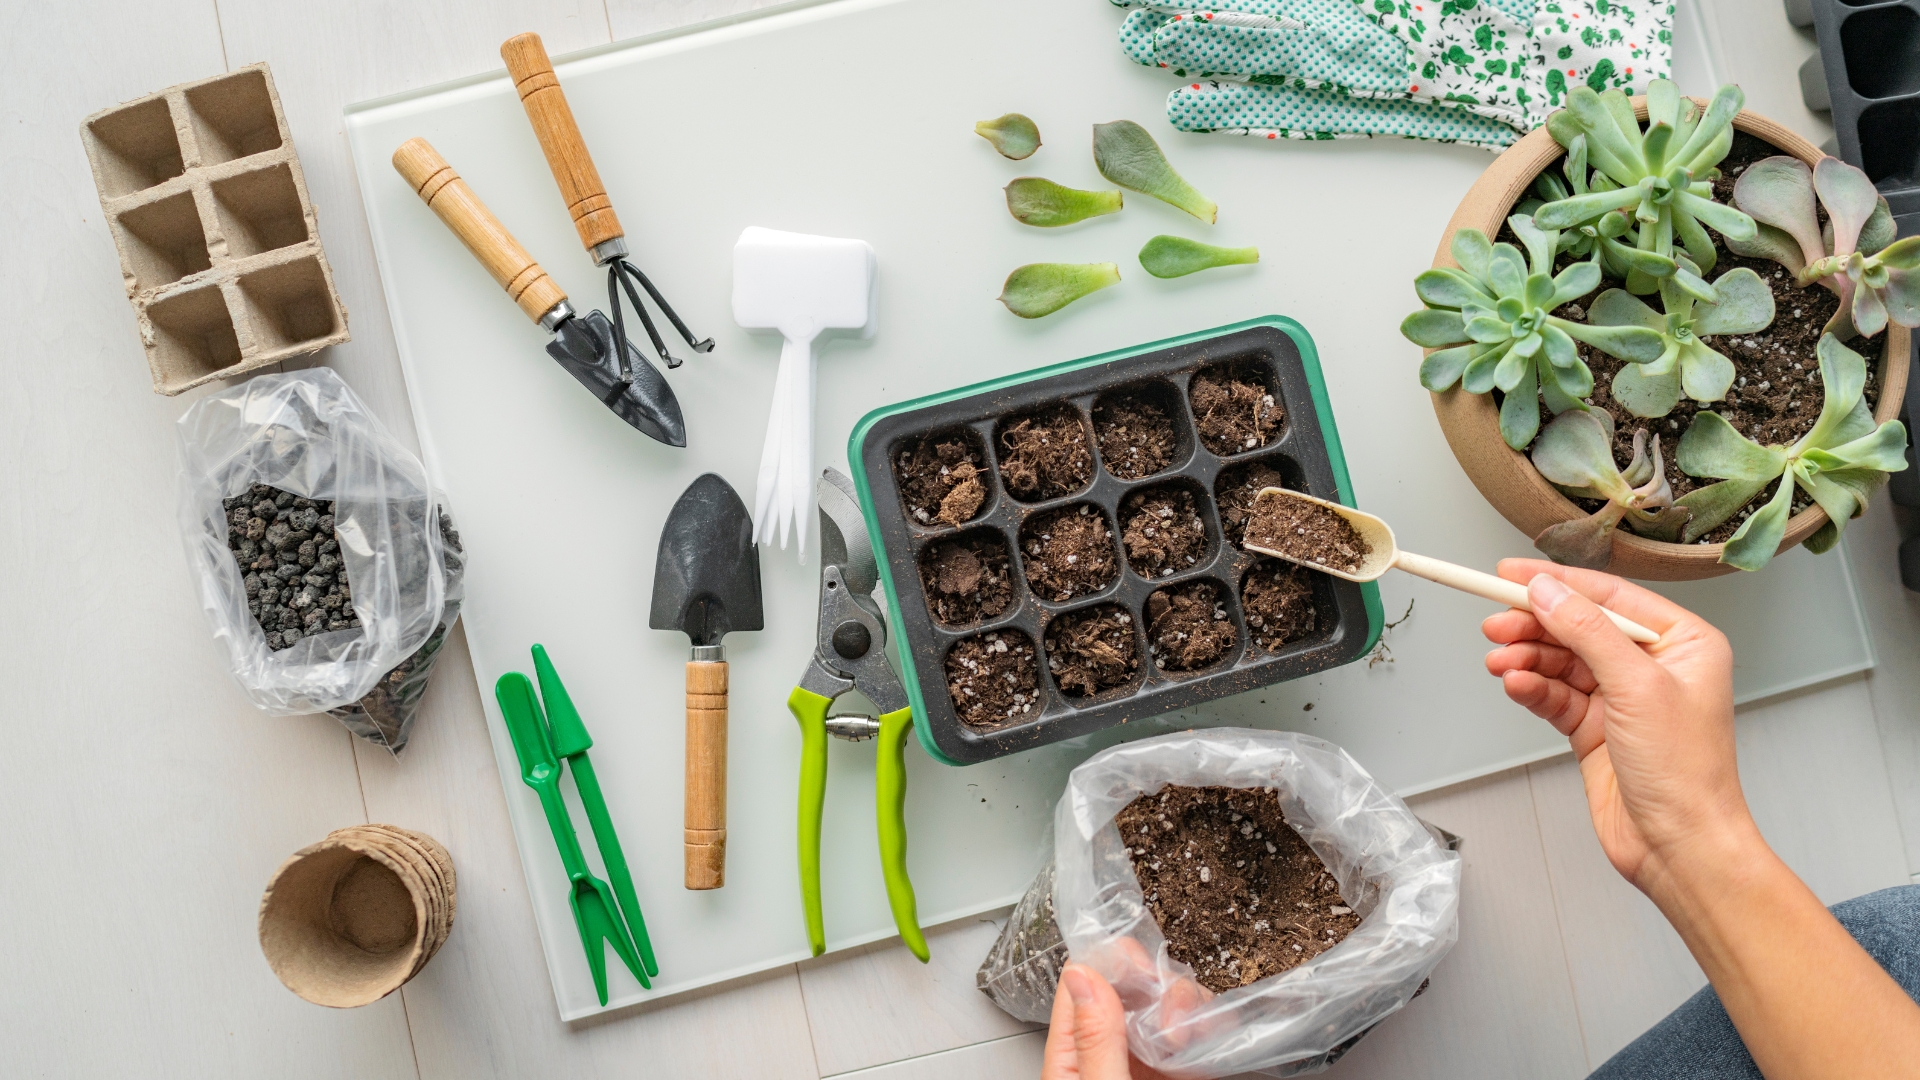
x: 1079, y: 987
x: 1545, y: 593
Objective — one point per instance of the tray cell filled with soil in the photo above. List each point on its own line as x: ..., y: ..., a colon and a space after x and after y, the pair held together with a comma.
x: 1189, y: 627
x: 1065, y: 524
x: 1068, y: 553
x: 1139, y: 430
x: 967, y: 578
x: 1237, y: 893
x: 942, y: 478
x: 1236, y: 408
x: 992, y: 679
x: 1163, y: 530
x: 1044, y: 454
x: 1093, y: 650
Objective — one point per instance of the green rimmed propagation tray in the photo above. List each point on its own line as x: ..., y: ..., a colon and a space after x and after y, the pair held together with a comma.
x: 1306, y: 453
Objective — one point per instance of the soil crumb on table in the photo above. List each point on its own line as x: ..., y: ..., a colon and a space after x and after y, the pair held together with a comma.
x: 942, y: 478
x: 1069, y: 553
x: 1235, y: 890
x: 1045, y: 455
x: 1187, y: 628
x: 1136, y: 435
x: 1163, y: 532
x: 1306, y: 531
x: 290, y: 564
x: 1277, y: 598
x: 1234, y: 493
x: 967, y: 579
x: 1092, y: 650
x: 992, y: 679
x: 1233, y: 411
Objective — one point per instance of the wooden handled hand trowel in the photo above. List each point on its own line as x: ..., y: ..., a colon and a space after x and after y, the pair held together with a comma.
x: 586, y: 345
x: 706, y: 582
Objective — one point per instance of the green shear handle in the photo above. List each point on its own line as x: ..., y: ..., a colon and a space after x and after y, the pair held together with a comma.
x: 890, y: 795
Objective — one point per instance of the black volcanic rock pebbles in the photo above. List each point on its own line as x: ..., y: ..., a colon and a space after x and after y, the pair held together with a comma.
x: 290, y: 562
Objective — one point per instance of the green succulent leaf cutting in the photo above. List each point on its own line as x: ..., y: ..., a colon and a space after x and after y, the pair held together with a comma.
x: 1837, y: 463
x: 1176, y: 256
x: 1039, y: 289
x: 1126, y: 154
x: 1013, y: 135
x: 1575, y: 453
x: 1040, y: 202
x: 1686, y: 364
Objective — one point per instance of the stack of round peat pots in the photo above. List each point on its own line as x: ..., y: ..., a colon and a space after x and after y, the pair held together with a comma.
x: 348, y: 920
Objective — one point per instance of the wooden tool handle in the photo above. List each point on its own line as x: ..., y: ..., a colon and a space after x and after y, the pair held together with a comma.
x: 706, y: 810
x: 442, y: 189
x: 1499, y: 589
x: 559, y: 136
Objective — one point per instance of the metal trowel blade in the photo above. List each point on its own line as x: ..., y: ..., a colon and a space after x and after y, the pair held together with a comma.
x: 585, y: 345
x: 707, y: 578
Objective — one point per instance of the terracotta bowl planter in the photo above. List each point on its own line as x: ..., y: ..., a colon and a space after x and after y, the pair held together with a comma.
x: 1506, y: 477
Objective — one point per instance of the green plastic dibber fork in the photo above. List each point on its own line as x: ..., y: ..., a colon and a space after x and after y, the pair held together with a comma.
x: 595, y: 913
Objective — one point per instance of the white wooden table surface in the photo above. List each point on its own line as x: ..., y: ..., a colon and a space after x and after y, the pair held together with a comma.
x: 147, y: 802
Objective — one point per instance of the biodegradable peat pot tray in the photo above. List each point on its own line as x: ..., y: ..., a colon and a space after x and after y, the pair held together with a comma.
x: 1077, y: 634
x: 219, y: 246
x: 1507, y: 477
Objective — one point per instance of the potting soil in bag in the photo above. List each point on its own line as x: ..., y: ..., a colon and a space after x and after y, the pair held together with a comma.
x: 1404, y: 884
x: 306, y: 434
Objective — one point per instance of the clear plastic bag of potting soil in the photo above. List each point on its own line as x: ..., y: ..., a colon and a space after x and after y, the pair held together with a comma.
x: 377, y: 591
x: 1403, y: 883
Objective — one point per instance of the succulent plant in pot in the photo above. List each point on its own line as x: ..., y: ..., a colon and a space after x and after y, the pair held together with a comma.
x: 1686, y: 363
x: 1575, y: 452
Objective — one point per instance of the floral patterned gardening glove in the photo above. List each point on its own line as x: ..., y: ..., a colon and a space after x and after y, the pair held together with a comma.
x: 1482, y: 72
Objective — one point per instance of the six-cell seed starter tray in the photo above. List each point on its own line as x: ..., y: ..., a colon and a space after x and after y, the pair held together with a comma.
x: 1305, y: 450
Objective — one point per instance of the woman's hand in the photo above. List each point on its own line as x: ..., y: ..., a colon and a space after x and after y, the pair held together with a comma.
x: 1087, y: 1037
x: 1652, y: 726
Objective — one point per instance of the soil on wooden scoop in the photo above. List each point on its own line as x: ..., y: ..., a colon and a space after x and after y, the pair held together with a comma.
x: 1235, y: 491
x: 1044, y: 454
x: 1069, y: 553
x: 1163, y: 532
x: 1187, y: 628
x: 1092, y: 650
x: 1235, y: 890
x: 1234, y: 412
x: 1308, y: 532
x: 967, y: 579
x: 1137, y: 437
x: 290, y: 564
x: 942, y: 478
x: 992, y: 679
x: 1277, y: 598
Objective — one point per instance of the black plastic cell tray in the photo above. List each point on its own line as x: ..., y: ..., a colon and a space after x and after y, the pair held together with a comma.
x: 1306, y: 453
x: 1871, y: 55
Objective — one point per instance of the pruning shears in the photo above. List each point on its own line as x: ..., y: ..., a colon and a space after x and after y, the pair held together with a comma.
x: 849, y: 653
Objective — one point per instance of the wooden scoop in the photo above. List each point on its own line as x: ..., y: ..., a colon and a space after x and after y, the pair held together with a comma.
x: 1387, y: 555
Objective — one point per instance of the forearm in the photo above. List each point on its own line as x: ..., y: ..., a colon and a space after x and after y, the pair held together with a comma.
x: 1806, y: 998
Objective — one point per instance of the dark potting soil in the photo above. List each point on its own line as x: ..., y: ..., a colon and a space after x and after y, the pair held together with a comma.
x: 1234, y: 493
x: 1777, y: 392
x: 942, y: 477
x: 1163, y: 532
x: 1233, y: 411
x: 967, y: 579
x: 1277, y: 598
x: 1136, y: 436
x: 1187, y: 628
x: 1235, y: 890
x: 1308, y: 532
x: 290, y: 564
x: 1044, y: 454
x: 1092, y: 650
x: 1069, y: 553
x: 992, y: 679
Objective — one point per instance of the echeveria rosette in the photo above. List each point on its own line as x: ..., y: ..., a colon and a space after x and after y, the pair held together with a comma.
x: 1492, y: 321
x: 1598, y: 239
x: 1687, y: 364
x: 1575, y: 454
x: 1838, y: 463
x: 1855, y: 255
x: 1664, y: 174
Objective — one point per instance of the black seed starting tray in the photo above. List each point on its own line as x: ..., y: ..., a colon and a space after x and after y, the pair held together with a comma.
x: 1870, y: 53
x: 1008, y: 537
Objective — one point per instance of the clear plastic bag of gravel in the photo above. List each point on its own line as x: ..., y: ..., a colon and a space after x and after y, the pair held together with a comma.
x: 1402, y: 875
x: 308, y: 434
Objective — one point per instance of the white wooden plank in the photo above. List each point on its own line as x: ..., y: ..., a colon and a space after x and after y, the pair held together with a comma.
x: 1013, y: 1056
x: 1500, y: 1005
x: 1893, y: 613
x: 633, y: 18
x: 875, y: 1004
x: 1754, y: 45
x: 148, y: 801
